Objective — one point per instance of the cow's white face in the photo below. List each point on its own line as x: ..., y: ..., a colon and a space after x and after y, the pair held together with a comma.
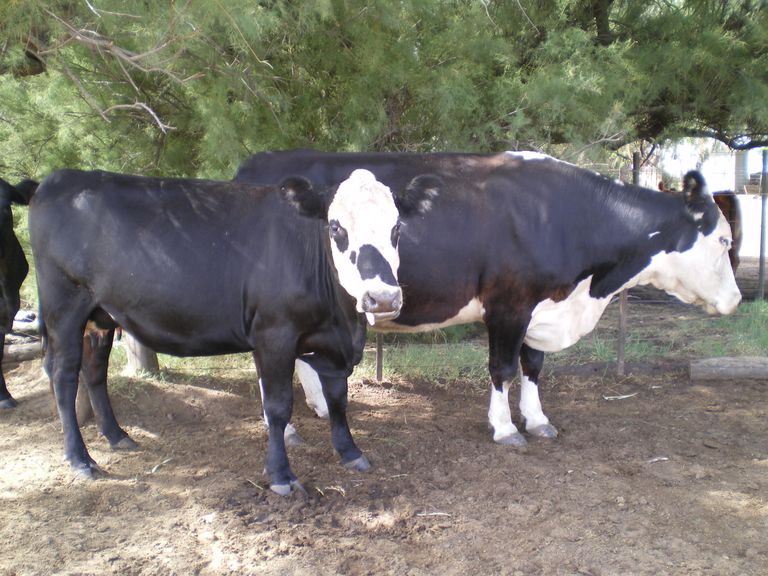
x: 364, y: 227
x: 701, y: 275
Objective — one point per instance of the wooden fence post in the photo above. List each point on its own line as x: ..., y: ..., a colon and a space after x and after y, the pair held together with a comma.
x: 623, y: 303
x: 379, y: 357
x: 763, y: 226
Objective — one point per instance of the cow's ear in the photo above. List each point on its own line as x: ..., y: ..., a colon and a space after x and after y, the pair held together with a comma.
x: 419, y: 196
x: 300, y: 194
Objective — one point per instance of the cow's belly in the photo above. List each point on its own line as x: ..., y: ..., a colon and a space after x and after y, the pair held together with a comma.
x: 555, y: 326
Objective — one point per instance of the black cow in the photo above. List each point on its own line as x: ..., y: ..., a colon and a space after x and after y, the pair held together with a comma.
x: 13, y: 268
x: 202, y: 268
x: 533, y: 247
x: 728, y: 202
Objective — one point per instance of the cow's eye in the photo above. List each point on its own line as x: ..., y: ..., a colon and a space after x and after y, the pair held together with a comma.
x: 725, y: 241
x: 334, y: 227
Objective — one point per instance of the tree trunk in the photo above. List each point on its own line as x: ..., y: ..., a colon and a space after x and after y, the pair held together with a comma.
x: 140, y: 358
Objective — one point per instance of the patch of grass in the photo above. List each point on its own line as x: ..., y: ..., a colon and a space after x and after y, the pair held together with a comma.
x: 743, y: 334
x: 450, y: 361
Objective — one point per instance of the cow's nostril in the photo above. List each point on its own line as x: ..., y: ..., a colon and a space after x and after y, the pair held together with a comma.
x: 369, y: 302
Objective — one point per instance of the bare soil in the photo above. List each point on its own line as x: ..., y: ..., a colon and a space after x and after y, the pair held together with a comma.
x: 671, y: 480
x: 651, y: 474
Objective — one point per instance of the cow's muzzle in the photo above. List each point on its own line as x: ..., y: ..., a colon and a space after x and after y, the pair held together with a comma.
x: 382, y: 304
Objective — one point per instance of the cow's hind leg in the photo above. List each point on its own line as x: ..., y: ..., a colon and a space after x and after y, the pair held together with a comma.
x: 536, y: 422
x: 63, y: 358
x: 335, y: 392
x: 6, y: 400
x: 97, y: 345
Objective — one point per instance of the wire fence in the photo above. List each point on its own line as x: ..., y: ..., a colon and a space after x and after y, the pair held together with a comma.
x: 659, y: 330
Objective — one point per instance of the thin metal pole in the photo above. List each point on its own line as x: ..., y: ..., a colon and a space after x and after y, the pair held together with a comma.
x: 379, y: 357
x: 763, y: 226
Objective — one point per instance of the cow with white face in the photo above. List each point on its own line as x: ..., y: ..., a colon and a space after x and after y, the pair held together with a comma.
x: 285, y: 271
x: 534, y: 248
x: 365, y: 228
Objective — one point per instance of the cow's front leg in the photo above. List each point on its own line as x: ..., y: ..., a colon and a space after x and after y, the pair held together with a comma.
x: 505, y: 338
x: 536, y: 422
x: 6, y: 400
x: 291, y: 436
x: 335, y: 391
x: 277, y: 394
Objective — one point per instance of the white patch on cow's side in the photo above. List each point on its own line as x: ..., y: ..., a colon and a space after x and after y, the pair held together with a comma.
x: 530, y: 404
x: 80, y: 202
x: 365, y: 209
x: 313, y: 389
x: 472, y: 312
x: 701, y: 275
x: 555, y: 326
x: 652, y: 234
x: 499, y: 415
x: 530, y: 155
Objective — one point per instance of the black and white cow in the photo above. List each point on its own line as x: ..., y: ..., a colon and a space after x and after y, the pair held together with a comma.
x: 533, y: 247
x: 13, y: 269
x: 195, y: 267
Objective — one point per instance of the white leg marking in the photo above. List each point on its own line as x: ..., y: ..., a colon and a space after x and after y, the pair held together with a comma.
x: 499, y: 414
x: 263, y: 410
x: 313, y: 389
x: 290, y: 435
x: 530, y: 405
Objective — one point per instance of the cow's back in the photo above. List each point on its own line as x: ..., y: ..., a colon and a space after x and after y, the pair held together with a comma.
x: 171, y: 258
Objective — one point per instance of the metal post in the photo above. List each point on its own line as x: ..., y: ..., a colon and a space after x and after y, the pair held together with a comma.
x: 763, y: 226
x: 379, y: 357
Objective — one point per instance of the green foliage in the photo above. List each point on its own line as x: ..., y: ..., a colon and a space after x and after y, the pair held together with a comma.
x: 191, y: 88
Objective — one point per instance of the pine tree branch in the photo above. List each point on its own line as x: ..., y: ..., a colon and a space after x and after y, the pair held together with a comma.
x: 141, y: 106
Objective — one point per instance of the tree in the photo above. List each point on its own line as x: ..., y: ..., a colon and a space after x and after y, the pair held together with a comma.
x: 190, y: 88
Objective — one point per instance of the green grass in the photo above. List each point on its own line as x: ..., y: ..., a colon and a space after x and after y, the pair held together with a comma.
x: 443, y: 362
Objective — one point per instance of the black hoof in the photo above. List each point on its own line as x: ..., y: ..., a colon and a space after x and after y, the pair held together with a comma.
x: 8, y: 403
x: 125, y: 445
x: 515, y: 440
x: 360, y: 464
x: 286, y: 489
x: 543, y: 431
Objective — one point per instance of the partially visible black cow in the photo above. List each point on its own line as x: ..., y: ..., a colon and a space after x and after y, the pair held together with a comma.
x: 728, y: 202
x: 533, y: 247
x: 202, y: 268
x: 13, y: 268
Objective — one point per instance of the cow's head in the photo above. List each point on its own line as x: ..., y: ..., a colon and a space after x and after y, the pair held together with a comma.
x: 697, y: 269
x: 13, y: 264
x: 364, y: 230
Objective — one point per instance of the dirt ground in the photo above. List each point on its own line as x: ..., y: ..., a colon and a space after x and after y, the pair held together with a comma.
x: 672, y: 480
